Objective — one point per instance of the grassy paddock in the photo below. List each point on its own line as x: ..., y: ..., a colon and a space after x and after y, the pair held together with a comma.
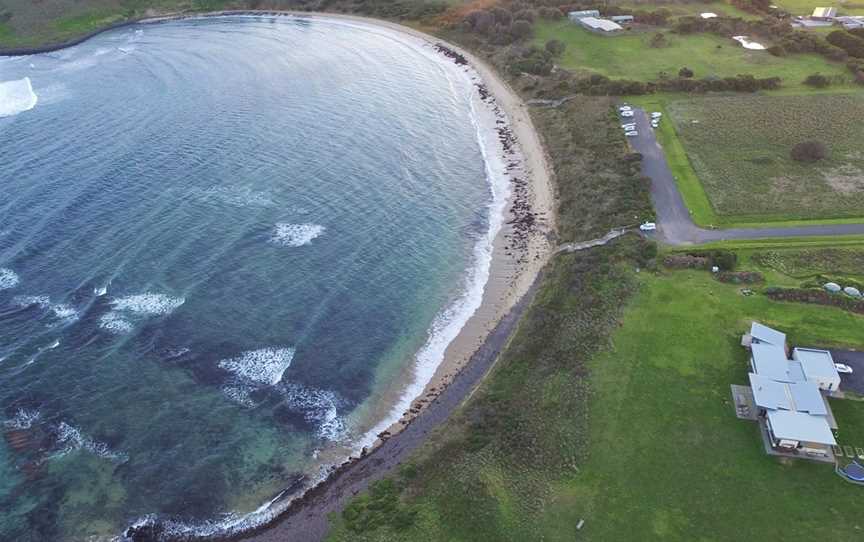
x: 628, y: 56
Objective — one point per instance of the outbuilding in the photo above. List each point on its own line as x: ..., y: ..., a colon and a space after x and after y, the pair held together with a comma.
x: 576, y: 15
x: 818, y: 367
x: 601, y: 26
x: 824, y: 14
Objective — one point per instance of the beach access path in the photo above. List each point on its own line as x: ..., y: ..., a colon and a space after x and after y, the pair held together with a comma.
x: 675, y: 225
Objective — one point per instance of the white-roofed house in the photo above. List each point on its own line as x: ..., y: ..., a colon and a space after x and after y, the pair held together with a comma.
x: 824, y: 14
x: 602, y: 26
x: 796, y: 417
x: 818, y: 367
x: 762, y: 334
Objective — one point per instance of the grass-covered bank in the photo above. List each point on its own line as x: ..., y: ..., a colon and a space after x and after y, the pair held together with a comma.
x: 638, y: 439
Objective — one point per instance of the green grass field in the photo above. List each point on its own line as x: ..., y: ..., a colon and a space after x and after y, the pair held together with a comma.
x: 691, y: 8
x: 806, y: 7
x: 628, y: 56
x: 739, y: 147
x: 666, y: 457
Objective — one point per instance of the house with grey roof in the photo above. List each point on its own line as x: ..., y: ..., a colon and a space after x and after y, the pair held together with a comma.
x: 788, y: 397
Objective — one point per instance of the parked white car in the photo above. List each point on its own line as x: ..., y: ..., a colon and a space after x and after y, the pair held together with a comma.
x: 843, y: 368
x: 656, y: 115
x: 629, y: 126
x: 625, y: 108
x: 648, y: 226
x: 626, y: 113
x: 631, y: 133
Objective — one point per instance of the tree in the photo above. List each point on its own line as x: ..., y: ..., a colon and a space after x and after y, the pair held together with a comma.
x: 817, y: 80
x: 502, y: 16
x: 555, y: 47
x: 686, y: 73
x: 480, y: 21
x: 809, y: 151
x: 520, y: 29
x: 658, y: 40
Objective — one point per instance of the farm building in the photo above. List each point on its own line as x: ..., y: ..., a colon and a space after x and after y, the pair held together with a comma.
x: 576, y: 15
x: 708, y: 15
x: 824, y: 14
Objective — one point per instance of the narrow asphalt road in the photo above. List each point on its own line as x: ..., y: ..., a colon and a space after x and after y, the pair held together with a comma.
x: 674, y: 224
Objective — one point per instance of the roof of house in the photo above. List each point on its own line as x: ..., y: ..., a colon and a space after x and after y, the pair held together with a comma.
x: 824, y: 12
x: 600, y: 24
x: 800, y: 426
x: 816, y: 363
x: 584, y: 13
x: 770, y: 361
x: 801, y: 397
x: 765, y: 334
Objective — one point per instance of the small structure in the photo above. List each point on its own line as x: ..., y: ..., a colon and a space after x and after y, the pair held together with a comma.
x: 762, y: 334
x: 850, y: 22
x: 621, y: 19
x: 818, y: 367
x: 574, y: 16
x: 708, y: 15
x: 602, y: 26
x: 824, y: 14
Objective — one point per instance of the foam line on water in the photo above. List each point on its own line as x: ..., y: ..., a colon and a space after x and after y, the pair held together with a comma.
x: 17, y: 97
x: 62, y: 311
x: 264, y: 366
x: 148, y: 304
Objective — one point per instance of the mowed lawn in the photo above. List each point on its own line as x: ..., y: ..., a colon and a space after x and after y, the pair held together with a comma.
x: 739, y: 148
x: 629, y: 56
x: 668, y: 459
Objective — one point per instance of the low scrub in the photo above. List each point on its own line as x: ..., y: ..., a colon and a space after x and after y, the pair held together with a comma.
x: 816, y: 296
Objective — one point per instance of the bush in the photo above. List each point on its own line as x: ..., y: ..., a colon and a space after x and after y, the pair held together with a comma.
x: 850, y: 43
x: 817, y: 80
x: 686, y: 73
x: 658, y: 40
x: 809, y: 151
x: 555, y: 47
x: 551, y: 13
x: 521, y: 29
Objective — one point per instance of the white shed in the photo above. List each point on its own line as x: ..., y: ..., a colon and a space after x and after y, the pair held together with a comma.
x: 818, y: 367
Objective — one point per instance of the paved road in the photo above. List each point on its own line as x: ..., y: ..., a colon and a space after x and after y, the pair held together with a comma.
x: 673, y: 218
x: 855, y: 359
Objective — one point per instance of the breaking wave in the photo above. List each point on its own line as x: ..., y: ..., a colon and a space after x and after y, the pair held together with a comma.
x: 295, y: 235
x: 71, y: 439
x: 16, y: 97
x: 265, y: 366
x: 319, y: 408
x: 148, y: 304
x: 66, y: 313
x: 23, y: 419
x: 8, y: 278
x: 133, y: 307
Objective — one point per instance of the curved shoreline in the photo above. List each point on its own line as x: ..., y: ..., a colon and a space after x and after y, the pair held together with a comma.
x: 520, y: 250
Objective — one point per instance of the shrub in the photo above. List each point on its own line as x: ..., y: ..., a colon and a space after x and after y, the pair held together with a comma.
x: 658, y: 40
x: 809, y: 151
x: 525, y: 15
x: 850, y: 43
x: 685, y: 72
x: 550, y: 13
x: 555, y: 47
x: 817, y: 80
x: 521, y: 29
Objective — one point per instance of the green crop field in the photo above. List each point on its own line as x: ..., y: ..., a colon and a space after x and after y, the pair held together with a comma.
x: 739, y: 148
x: 628, y: 56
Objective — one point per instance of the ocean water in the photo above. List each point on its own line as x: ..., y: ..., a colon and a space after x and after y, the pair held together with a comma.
x: 227, y: 246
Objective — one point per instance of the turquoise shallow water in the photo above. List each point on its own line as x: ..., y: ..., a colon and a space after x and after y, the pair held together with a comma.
x: 218, y: 240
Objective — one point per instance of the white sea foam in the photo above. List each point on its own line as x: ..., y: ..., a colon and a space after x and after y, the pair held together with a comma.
x: 265, y: 366
x: 71, y: 438
x: 8, y: 278
x: 24, y: 419
x: 16, y: 97
x: 115, y: 323
x: 295, y: 235
x: 66, y: 313
x: 100, y: 291
x: 148, y: 304
x: 448, y: 323
x: 319, y: 407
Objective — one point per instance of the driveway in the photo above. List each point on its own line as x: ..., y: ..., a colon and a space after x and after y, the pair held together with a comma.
x: 674, y: 224
x: 852, y: 358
